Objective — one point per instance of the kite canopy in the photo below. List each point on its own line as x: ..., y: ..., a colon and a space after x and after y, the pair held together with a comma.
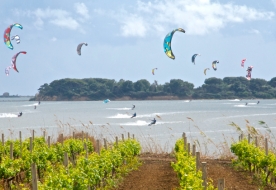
x: 242, y: 62
x: 193, y: 58
x: 106, y: 101
x: 14, y: 58
x: 153, y: 70
x: 167, y: 43
x: 206, y: 70
x: 249, y: 70
x: 79, y: 47
x: 214, y: 64
x: 7, y: 32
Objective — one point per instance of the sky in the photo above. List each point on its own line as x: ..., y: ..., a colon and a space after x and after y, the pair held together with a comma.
x: 125, y: 40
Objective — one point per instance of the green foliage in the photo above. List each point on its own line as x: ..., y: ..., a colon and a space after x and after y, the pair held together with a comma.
x: 185, y: 167
x: 213, y: 88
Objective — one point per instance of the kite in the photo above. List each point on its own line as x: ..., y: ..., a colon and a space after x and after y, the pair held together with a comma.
x: 14, y: 58
x: 106, y: 101
x: 79, y: 47
x: 7, y: 32
x: 16, y: 38
x: 193, y: 58
x: 206, y: 70
x: 242, y: 62
x: 249, y: 70
x: 167, y: 43
x: 153, y: 70
x: 214, y: 64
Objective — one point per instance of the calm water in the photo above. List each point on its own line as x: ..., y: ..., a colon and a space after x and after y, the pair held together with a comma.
x: 212, y: 117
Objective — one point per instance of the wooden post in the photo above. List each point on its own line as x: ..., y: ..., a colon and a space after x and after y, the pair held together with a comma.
x: 49, y: 141
x: 34, y: 176
x: 123, y: 138
x: 185, y: 143
x: 197, y: 160
x: 116, y: 140
x: 31, y: 144
x: 248, y: 138
x: 256, y: 141
x: 3, y: 139
x: 44, y: 135
x: 266, y: 146
x: 194, y: 149
x: 189, y: 149
x: 183, y: 135
x: 86, y: 152
x: 65, y: 159
x: 105, y: 144
x: 221, y: 184
x: 33, y: 134
x: 204, y: 175
x: 133, y: 136
x: 20, y: 140
x: 98, y: 146
x: 241, y: 136
x: 11, y: 151
x: 61, y: 138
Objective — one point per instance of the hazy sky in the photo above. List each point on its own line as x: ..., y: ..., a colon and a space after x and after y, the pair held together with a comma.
x: 125, y: 40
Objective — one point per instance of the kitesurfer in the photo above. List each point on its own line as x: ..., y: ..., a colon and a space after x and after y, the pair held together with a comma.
x: 39, y: 102
x: 34, y: 107
x: 258, y: 102
x: 134, y: 115
x: 246, y: 103
x: 152, y: 122
x: 20, y: 114
x: 133, y: 106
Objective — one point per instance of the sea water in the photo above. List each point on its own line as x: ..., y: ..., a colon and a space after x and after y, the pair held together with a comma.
x: 207, y: 121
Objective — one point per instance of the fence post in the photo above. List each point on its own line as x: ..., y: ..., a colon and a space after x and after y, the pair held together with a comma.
x: 31, y: 144
x: 248, y: 138
x: 98, y: 146
x: 44, y: 135
x: 61, y: 136
x: 185, y: 143
x: 197, y: 160
x: 194, y: 149
x: 116, y: 140
x: 49, y: 141
x: 256, y: 141
x: 189, y: 149
x: 33, y: 134
x: 266, y: 146
x: 20, y: 140
x: 123, y: 138
x: 3, y: 139
x: 65, y: 159
x: 34, y: 176
x: 128, y: 135
x: 221, y: 184
x: 204, y: 175
x: 105, y: 145
x: 11, y: 150
x: 133, y: 136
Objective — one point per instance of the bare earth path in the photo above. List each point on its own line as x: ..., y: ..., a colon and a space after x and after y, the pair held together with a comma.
x: 156, y: 173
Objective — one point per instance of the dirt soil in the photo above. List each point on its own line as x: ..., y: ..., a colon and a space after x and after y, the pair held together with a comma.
x: 156, y: 173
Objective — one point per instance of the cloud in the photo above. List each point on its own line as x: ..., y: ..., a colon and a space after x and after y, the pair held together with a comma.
x: 197, y: 17
x: 57, y: 17
x: 82, y: 10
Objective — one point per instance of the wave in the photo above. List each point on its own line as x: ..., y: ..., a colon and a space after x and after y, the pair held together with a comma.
x: 30, y: 105
x: 5, y: 115
x: 243, y: 105
x: 136, y: 123
x: 236, y: 100
x: 119, y: 108
x: 119, y: 115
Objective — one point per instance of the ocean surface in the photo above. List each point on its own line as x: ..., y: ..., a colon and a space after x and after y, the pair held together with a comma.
x: 204, y: 120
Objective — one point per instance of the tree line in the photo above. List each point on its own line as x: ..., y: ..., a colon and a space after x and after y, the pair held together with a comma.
x: 213, y: 88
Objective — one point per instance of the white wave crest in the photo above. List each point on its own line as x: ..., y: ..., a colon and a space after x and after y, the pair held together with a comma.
x: 136, y: 123
x: 236, y: 100
x: 5, y: 115
x: 118, y: 108
x: 118, y: 116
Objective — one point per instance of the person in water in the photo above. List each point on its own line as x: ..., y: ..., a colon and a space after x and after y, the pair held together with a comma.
x: 246, y: 103
x: 20, y: 114
x: 133, y: 106
x: 152, y: 122
x: 258, y: 102
x: 34, y: 107
x: 134, y: 115
x: 39, y: 102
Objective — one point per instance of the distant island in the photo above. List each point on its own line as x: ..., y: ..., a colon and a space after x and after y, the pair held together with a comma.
x: 99, y: 89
